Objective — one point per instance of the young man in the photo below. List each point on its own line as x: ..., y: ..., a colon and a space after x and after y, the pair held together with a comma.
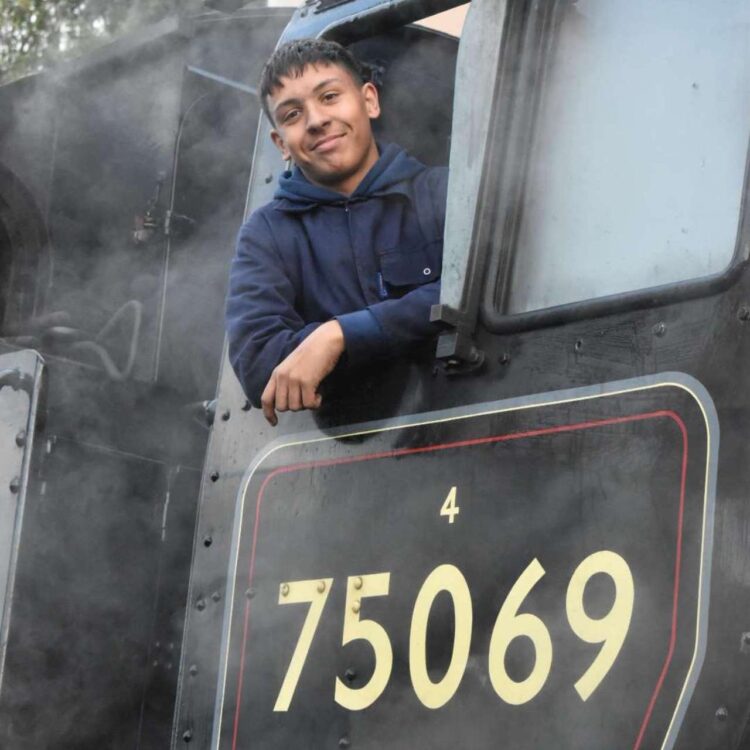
x: 344, y: 264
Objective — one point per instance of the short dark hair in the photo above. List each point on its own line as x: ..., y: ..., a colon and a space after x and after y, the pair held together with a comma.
x: 292, y: 58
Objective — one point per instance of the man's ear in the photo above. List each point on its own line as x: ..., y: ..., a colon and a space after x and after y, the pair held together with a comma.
x: 278, y: 141
x: 372, y: 100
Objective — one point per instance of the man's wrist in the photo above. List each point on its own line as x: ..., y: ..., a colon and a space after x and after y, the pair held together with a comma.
x: 335, y: 334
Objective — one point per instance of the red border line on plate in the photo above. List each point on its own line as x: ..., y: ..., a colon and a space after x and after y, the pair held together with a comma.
x: 484, y: 441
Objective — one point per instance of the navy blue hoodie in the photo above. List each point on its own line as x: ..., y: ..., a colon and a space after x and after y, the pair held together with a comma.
x: 371, y: 260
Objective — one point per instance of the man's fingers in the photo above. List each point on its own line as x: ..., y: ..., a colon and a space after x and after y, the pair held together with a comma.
x: 310, y: 399
x: 296, y: 396
x: 282, y: 392
x: 267, y: 400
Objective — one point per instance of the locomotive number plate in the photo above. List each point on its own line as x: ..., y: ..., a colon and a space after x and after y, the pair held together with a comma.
x: 532, y: 573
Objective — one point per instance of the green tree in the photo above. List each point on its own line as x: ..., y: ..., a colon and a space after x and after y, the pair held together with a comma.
x: 35, y: 33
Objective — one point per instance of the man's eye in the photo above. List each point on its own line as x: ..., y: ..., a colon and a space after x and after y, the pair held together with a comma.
x: 290, y: 115
x: 330, y: 96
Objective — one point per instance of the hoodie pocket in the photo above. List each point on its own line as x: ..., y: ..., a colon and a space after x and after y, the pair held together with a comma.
x: 402, y: 269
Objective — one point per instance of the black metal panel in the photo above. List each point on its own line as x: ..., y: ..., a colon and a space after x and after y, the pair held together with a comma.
x: 624, y: 472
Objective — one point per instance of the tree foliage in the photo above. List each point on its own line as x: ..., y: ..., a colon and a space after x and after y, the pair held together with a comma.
x: 35, y: 33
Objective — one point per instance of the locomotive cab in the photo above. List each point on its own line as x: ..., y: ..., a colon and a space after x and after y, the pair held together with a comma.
x: 534, y: 532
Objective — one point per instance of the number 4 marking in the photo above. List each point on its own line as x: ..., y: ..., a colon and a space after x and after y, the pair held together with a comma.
x: 450, y: 508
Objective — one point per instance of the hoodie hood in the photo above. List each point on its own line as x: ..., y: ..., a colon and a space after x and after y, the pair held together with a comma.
x: 390, y: 174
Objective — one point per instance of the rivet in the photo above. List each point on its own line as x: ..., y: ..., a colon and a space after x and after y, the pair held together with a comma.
x: 358, y: 582
x: 214, y: 476
x: 200, y: 605
x: 250, y: 593
x: 426, y: 271
x: 216, y: 596
x: 187, y: 735
x: 193, y: 670
x: 285, y: 589
x: 744, y: 313
x: 208, y: 540
x: 155, y: 663
x: 321, y: 586
x: 659, y: 329
x: 21, y: 438
x: 745, y: 643
x: 578, y: 345
x: 721, y: 713
x: 504, y: 358
x: 355, y: 607
x: 15, y: 485
x: 269, y: 178
x: 344, y: 742
x: 225, y: 415
x: 350, y: 675
x: 247, y: 406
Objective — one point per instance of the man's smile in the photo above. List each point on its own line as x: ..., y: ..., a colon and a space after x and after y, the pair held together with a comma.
x: 328, y: 143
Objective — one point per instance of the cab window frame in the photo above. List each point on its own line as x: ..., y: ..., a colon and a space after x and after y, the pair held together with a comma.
x: 527, y: 54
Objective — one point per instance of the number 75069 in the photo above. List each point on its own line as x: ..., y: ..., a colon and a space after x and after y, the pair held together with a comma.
x: 609, y: 630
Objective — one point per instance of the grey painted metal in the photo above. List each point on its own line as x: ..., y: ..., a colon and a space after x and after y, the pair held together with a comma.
x: 18, y: 412
x: 478, y: 58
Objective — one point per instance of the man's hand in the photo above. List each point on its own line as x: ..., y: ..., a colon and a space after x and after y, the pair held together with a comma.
x: 293, y: 384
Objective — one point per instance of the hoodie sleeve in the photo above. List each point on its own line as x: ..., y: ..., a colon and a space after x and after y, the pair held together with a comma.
x: 262, y: 325
x: 391, y: 327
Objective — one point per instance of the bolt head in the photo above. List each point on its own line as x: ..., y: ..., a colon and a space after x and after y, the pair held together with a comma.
x: 358, y: 582
x: 15, y: 485
x: 356, y: 607
x: 721, y: 713
x: 285, y: 589
x: 225, y: 415
x: 21, y: 438
x: 250, y: 593
x: 216, y: 596
x: 214, y: 476
x: 744, y: 313
x: 187, y: 735
x: 350, y: 675
x: 344, y: 742
x: 193, y: 670
x: 659, y: 329
x: 200, y: 605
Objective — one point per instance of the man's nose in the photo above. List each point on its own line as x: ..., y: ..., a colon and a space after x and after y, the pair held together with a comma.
x: 317, y: 117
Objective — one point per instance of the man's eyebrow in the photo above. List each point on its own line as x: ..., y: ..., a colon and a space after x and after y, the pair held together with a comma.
x: 297, y: 102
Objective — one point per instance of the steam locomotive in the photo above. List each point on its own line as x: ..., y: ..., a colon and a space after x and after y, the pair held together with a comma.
x: 534, y: 534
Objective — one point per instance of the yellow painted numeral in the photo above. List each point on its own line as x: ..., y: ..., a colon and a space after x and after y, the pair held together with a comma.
x: 450, y: 508
x: 510, y: 625
x: 357, y: 589
x: 611, y: 629
x: 316, y: 593
x: 444, y: 578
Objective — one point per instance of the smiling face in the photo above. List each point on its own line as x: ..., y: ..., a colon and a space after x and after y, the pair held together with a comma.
x: 322, y: 122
